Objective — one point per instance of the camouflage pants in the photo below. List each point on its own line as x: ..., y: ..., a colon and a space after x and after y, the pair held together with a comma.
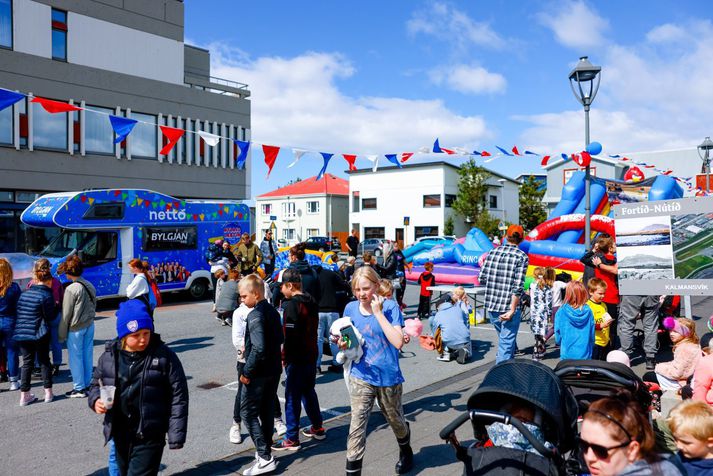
x: 362, y: 401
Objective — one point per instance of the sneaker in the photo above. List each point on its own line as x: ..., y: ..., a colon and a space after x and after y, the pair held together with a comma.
x: 285, y: 444
x: 316, y: 433
x: 261, y: 466
x: 76, y: 394
x: 280, y: 427
x: 650, y: 363
x: 14, y: 385
x: 229, y: 321
x: 462, y: 356
x: 26, y: 399
x: 235, y: 436
x: 445, y: 357
x: 49, y: 396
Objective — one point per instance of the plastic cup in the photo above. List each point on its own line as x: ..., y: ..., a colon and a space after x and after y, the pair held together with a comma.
x: 106, y: 394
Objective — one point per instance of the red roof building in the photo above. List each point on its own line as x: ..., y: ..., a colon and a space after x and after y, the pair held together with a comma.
x: 328, y: 184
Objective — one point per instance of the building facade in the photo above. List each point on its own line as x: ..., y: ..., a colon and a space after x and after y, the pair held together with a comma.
x: 125, y: 58
x: 306, y: 208
x: 408, y: 203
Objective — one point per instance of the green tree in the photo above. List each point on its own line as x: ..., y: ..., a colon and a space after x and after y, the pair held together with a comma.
x: 448, y: 226
x: 532, y: 209
x: 470, y: 202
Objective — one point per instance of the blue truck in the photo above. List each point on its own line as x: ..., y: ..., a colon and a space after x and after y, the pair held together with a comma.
x: 108, y: 228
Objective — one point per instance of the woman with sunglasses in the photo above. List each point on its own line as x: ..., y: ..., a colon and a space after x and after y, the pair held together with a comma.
x: 617, y: 439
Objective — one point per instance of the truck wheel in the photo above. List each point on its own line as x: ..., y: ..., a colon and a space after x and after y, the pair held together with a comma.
x: 199, y: 288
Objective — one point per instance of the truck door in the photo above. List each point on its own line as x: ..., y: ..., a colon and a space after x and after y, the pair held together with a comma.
x: 101, y: 255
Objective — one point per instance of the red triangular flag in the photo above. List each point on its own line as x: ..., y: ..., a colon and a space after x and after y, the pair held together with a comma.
x: 405, y: 156
x: 545, y: 159
x: 485, y: 153
x: 586, y: 159
x: 172, y: 134
x: 350, y: 158
x: 55, y: 107
x: 515, y: 151
x: 270, y: 152
x: 448, y: 151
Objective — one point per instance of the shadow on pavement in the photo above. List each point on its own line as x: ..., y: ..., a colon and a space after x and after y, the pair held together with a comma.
x: 192, y: 343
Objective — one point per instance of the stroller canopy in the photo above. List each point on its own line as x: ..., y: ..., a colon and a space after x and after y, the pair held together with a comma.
x: 537, y: 384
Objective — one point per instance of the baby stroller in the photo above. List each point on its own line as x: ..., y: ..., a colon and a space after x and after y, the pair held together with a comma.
x: 507, y: 388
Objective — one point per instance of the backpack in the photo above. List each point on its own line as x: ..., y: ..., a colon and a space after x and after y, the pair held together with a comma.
x: 155, y: 299
x: 212, y: 253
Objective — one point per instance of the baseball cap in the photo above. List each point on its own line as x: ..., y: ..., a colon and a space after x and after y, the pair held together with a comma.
x: 443, y: 298
x: 289, y: 276
x: 512, y: 229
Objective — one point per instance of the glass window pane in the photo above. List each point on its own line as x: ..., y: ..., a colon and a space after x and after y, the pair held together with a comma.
x: 59, y: 44
x: 6, y: 126
x: 59, y: 16
x: 49, y: 130
x: 143, y: 137
x: 98, y: 134
x: 6, y: 23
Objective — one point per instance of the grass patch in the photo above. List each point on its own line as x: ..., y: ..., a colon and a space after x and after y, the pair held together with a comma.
x: 684, y: 268
x: 694, y: 250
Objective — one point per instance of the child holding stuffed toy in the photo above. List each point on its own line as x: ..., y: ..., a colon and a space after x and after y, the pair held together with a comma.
x: 686, y: 354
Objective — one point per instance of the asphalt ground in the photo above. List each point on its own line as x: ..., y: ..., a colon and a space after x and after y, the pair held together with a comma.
x: 65, y: 437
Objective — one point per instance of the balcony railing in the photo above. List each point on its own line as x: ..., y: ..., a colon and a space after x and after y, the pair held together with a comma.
x: 217, y: 85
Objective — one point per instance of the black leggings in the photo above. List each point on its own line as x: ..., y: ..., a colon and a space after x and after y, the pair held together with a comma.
x: 29, y: 349
x: 138, y: 457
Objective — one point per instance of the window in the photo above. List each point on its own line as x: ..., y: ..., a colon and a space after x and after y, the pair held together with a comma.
x: 169, y: 238
x: 288, y: 233
x: 421, y: 231
x: 312, y: 207
x: 6, y: 24
x: 143, y: 137
x: 449, y: 200
x: 27, y: 197
x: 6, y: 124
x: 266, y: 208
x: 493, y: 201
x: 288, y: 209
x: 105, y: 211
x: 312, y: 231
x: 368, y: 204
x: 374, y: 232
x: 432, y: 201
x: 98, y: 134
x: 59, y: 35
x: 355, y: 201
x: 49, y: 131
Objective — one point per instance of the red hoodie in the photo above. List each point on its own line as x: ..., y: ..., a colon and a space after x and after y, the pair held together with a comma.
x: 425, y: 280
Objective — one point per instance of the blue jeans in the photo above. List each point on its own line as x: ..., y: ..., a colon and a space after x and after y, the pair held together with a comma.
x: 112, y: 466
x: 13, y: 355
x: 299, y: 390
x: 507, y: 333
x: 326, y: 319
x: 55, y: 346
x: 80, y: 347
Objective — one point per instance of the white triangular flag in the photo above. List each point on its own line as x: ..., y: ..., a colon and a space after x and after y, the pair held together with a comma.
x: 298, y: 155
x: 375, y: 160
x: 210, y: 139
x: 424, y: 150
x: 461, y: 151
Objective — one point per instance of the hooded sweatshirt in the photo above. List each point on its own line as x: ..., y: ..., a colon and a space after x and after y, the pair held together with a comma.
x: 301, y: 319
x: 310, y: 279
x: 664, y: 467
x: 701, y: 467
x: 574, y: 332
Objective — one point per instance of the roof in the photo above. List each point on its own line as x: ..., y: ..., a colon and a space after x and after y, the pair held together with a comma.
x: 426, y: 165
x: 329, y: 185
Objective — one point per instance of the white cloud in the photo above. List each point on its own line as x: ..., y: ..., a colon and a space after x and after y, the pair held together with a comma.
x: 296, y: 102
x: 666, y: 34
x: 469, y: 79
x: 576, y: 25
x: 445, y: 22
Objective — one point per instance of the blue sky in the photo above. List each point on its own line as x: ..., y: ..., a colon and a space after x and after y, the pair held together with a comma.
x: 383, y: 77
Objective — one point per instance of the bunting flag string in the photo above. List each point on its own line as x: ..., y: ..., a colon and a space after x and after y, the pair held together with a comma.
x: 172, y: 134
x: 405, y: 156
x: 270, y: 152
x: 243, y: 147
x: 326, y: 156
x: 210, y: 139
x: 393, y: 159
x: 350, y: 158
x: 298, y: 153
x: 122, y: 127
x: 374, y: 159
x: 8, y: 98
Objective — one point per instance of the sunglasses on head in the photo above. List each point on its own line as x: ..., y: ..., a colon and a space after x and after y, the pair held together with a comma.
x: 601, y: 452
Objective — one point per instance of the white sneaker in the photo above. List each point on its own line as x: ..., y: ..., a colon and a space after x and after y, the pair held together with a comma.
x: 14, y: 385
x: 280, y: 427
x: 235, y: 436
x: 444, y: 357
x: 261, y: 466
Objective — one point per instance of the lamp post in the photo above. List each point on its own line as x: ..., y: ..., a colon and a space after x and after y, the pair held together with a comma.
x: 704, y: 153
x: 586, y: 77
x: 502, y: 196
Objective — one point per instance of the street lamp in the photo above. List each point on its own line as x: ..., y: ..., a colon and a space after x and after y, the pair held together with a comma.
x: 502, y: 196
x: 704, y: 153
x: 586, y: 77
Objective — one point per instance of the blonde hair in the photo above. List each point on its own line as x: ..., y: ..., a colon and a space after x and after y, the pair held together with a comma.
x: 691, y: 326
x: 5, y: 276
x: 458, y: 293
x: 596, y: 283
x: 386, y: 288
x: 253, y: 283
x: 366, y: 272
x: 693, y: 418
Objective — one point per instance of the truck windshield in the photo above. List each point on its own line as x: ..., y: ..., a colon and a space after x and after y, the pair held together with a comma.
x: 66, y: 242
x: 94, y: 247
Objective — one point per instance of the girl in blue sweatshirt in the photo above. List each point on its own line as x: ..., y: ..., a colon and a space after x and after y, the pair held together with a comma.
x: 574, y: 324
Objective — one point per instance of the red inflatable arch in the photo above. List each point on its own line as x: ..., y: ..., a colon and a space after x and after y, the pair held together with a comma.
x: 575, y: 221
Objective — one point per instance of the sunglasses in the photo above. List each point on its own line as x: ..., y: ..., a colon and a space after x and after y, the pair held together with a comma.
x: 601, y: 452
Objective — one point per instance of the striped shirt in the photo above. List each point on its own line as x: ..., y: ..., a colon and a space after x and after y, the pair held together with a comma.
x: 503, y: 275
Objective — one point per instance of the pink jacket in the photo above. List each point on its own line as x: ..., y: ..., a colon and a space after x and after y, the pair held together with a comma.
x: 685, y: 358
x: 703, y: 380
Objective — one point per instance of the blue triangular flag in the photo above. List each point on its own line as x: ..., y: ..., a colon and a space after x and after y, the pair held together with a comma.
x: 475, y: 152
x: 503, y: 151
x: 122, y: 127
x: 394, y: 159
x: 326, y: 156
x: 243, y: 155
x: 8, y: 98
x: 527, y: 152
x: 437, y: 147
x: 565, y: 156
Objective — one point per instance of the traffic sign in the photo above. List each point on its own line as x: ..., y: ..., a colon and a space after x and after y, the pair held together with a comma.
x: 406, y: 221
x: 502, y: 226
x: 273, y: 217
x: 273, y: 226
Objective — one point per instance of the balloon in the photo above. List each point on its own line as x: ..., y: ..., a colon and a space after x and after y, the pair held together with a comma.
x: 594, y: 148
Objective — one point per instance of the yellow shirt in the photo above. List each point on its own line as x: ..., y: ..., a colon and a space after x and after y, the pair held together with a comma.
x: 601, y: 336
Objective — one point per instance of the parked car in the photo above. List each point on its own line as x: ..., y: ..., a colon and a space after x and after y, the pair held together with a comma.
x: 435, y: 238
x: 375, y: 245
x: 323, y: 243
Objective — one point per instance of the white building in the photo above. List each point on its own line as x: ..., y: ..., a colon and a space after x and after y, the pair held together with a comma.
x: 303, y: 209
x: 381, y: 202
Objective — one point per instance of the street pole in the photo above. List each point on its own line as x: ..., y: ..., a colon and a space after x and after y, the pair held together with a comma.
x: 587, y: 184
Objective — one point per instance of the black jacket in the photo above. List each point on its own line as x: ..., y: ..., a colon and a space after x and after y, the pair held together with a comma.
x: 301, y: 321
x: 393, y: 264
x: 310, y: 280
x: 162, y: 394
x: 35, y: 305
x: 333, y: 290
x: 263, y: 338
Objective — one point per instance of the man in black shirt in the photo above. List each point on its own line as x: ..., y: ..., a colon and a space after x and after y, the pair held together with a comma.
x: 353, y: 243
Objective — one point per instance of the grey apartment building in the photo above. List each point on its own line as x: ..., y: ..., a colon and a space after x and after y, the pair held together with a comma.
x: 122, y: 57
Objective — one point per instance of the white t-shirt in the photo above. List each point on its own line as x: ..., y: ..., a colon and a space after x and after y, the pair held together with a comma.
x: 557, y: 299
x: 137, y: 287
x: 240, y: 323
